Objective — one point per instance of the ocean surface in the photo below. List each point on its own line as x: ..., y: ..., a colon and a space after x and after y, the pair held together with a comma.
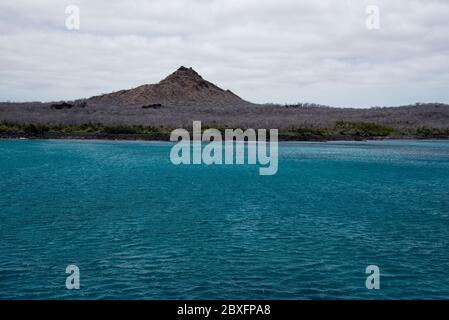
x: 139, y: 227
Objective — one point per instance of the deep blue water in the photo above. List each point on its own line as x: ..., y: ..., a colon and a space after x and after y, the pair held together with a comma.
x: 139, y: 227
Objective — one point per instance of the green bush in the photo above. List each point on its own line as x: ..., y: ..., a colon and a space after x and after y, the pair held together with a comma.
x: 309, y: 131
x: 120, y: 130
x: 424, y: 132
x: 35, y: 128
x: 364, y: 129
x: 3, y: 128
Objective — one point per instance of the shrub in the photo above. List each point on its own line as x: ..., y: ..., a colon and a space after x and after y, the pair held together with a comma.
x: 35, y: 128
x: 364, y: 129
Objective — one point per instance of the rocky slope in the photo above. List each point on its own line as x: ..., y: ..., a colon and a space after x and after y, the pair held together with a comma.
x: 183, y: 88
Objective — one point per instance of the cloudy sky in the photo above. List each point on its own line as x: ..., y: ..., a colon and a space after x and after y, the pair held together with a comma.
x: 281, y: 51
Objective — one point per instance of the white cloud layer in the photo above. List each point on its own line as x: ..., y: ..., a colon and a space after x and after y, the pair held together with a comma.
x: 282, y: 51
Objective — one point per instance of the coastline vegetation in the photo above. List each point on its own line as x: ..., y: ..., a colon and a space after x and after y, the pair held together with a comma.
x: 341, y: 130
x: 363, y: 129
x: 32, y: 128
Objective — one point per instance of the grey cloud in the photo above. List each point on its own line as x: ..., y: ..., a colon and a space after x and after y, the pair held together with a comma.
x: 266, y: 51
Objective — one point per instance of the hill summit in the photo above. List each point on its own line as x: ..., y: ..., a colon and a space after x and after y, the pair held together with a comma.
x: 184, y: 87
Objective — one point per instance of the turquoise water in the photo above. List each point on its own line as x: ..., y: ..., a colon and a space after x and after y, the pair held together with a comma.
x: 139, y: 227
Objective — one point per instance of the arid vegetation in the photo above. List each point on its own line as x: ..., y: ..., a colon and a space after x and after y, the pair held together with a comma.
x: 185, y: 96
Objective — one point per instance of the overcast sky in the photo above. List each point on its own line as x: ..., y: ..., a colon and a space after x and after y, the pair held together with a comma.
x: 280, y: 51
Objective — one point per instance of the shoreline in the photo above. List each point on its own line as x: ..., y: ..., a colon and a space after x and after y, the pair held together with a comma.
x: 163, y: 137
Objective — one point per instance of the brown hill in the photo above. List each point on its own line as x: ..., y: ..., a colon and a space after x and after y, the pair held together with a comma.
x: 183, y: 88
